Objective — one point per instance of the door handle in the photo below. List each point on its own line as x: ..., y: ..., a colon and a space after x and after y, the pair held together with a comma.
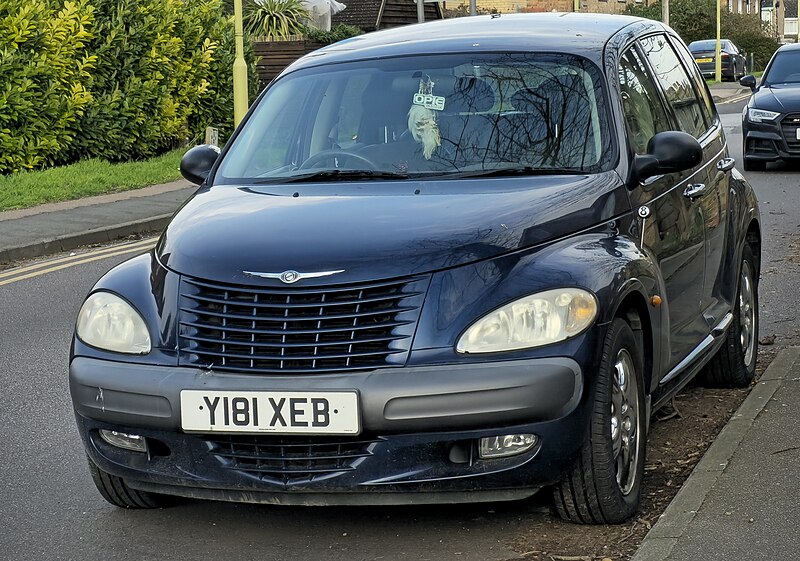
x: 694, y: 191
x: 726, y: 164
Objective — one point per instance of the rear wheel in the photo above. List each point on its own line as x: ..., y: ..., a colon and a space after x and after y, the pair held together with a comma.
x: 604, y: 485
x: 734, y: 365
x: 116, y: 491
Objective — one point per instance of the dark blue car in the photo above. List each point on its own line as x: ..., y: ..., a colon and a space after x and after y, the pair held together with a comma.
x: 459, y: 261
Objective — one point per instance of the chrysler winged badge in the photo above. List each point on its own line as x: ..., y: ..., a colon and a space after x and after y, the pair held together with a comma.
x: 291, y: 277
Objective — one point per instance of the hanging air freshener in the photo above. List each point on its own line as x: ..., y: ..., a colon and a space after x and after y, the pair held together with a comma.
x: 422, y: 119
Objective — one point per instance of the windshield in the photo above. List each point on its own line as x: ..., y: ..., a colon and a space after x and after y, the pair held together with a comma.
x: 784, y: 69
x: 438, y: 115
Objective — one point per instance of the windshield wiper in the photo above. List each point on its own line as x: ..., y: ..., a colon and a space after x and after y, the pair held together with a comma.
x: 334, y: 175
x: 507, y: 172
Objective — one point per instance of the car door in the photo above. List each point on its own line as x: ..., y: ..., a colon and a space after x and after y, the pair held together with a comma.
x: 673, y: 231
x: 715, y: 200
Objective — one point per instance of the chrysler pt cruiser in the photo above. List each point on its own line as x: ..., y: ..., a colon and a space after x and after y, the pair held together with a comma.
x: 458, y: 261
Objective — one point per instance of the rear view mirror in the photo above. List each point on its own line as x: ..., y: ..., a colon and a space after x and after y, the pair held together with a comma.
x: 196, y: 164
x: 748, y: 82
x: 668, y: 152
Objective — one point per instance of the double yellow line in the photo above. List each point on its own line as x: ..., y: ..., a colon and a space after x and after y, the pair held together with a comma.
x: 53, y: 265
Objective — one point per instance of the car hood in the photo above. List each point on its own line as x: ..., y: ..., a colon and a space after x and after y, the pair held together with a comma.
x: 778, y: 97
x: 397, y: 229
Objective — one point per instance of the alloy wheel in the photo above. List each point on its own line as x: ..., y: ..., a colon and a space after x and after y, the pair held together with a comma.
x: 747, y: 314
x: 625, y: 429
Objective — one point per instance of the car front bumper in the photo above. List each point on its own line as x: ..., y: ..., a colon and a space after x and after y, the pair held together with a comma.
x: 418, y: 443
x: 771, y: 141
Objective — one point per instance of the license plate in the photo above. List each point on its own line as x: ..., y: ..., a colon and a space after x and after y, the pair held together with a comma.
x: 797, y: 133
x: 701, y: 60
x: 270, y: 412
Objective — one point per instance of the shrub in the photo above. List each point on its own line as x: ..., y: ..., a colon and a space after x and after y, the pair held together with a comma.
x: 275, y: 19
x: 114, y: 79
x: 153, y: 77
x: 751, y: 36
x: 337, y: 33
x: 44, y: 68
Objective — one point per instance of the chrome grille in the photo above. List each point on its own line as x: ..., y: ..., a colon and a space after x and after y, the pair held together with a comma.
x: 288, y: 460
x: 789, y: 126
x: 314, y: 329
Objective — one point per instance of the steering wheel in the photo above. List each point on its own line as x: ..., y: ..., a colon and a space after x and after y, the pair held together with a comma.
x: 330, y: 154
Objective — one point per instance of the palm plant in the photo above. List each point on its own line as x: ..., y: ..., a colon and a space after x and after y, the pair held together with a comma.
x: 275, y: 19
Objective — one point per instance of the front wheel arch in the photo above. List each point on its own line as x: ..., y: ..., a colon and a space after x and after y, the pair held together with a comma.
x: 633, y: 309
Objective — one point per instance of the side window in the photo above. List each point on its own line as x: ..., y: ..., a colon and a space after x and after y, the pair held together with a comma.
x: 709, y: 110
x: 644, y: 113
x: 676, y: 84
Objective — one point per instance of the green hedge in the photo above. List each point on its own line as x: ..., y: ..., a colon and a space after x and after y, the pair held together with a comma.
x: 115, y: 79
x: 44, y: 65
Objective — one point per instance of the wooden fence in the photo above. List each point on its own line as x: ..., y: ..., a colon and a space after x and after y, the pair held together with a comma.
x: 274, y: 56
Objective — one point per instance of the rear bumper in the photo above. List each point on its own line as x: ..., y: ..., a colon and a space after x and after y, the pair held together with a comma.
x: 420, y: 432
x: 709, y: 69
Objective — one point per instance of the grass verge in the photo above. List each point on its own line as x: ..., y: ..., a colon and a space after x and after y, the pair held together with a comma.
x: 86, y: 178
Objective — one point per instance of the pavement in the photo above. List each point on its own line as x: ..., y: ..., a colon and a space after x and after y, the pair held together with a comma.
x: 740, y: 500
x: 57, y: 227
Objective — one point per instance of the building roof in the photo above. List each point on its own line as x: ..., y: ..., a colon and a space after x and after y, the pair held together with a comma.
x: 359, y: 13
x: 366, y: 14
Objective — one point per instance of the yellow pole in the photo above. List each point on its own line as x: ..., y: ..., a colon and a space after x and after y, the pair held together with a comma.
x: 717, y: 58
x: 576, y: 5
x: 239, y: 67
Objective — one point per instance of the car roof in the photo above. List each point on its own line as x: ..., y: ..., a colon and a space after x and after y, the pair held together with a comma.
x: 577, y: 33
x: 709, y: 41
x: 789, y: 47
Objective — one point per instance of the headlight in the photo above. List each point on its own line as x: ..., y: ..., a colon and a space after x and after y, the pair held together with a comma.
x: 760, y: 115
x: 108, y: 322
x: 535, y: 320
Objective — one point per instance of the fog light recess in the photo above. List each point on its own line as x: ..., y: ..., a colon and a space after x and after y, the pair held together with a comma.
x: 122, y: 440
x: 505, y: 445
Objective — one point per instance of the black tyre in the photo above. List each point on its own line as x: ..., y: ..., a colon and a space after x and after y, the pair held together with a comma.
x: 734, y: 365
x: 116, y: 491
x: 754, y: 165
x: 604, y: 486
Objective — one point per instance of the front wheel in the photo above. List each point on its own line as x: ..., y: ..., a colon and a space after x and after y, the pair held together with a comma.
x: 604, y: 485
x: 117, y: 492
x: 734, y: 365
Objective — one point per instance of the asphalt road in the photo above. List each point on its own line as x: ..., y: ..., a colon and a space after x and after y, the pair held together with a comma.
x: 49, y: 509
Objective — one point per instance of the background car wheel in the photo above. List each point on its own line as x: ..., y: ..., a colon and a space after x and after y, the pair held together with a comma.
x: 116, y: 491
x: 605, y: 484
x: 754, y: 165
x: 734, y: 365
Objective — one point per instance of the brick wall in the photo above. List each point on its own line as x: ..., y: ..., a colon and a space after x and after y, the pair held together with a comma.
x: 513, y: 6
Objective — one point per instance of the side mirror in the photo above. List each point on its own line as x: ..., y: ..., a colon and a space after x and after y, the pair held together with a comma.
x: 668, y: 152
x: 196, y: 164
x: 748, y: 82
